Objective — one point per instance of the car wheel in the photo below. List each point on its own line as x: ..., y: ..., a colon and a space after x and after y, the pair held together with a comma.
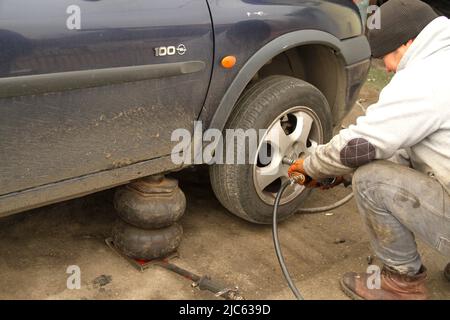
x: 146, y: 244
x: 297, y: 118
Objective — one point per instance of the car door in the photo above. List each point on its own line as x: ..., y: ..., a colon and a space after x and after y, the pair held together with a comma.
x: 88, y: 86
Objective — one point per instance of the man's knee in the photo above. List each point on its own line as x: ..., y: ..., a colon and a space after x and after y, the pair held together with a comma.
x: 369, y: 179
x: 374, y: 172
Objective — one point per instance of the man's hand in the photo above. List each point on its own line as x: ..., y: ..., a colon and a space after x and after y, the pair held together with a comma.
x: 337, y: 181
x: 297, y: 169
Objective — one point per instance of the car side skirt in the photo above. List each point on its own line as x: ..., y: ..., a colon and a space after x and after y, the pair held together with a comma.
x: 77, y: 187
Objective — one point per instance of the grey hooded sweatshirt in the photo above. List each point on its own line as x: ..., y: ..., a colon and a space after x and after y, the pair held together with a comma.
x: 412, y: 115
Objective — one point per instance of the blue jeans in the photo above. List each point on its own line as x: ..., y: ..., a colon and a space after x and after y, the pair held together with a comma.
x: 398, y: 203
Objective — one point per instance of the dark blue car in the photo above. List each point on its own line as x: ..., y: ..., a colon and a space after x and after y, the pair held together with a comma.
x: 91, y: 91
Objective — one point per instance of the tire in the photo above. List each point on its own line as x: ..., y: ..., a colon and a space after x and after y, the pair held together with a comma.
x: 146, y: 244
x: 257, y: 108
x: 149, y: 212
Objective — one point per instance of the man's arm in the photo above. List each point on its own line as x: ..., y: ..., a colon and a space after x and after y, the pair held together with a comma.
x: 404, y: 116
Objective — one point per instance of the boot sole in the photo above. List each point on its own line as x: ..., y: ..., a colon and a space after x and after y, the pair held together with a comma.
x: 349, y: 293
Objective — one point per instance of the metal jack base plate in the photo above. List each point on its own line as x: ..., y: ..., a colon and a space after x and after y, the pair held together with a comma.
x: 140, y: 265
x: 200, y: 282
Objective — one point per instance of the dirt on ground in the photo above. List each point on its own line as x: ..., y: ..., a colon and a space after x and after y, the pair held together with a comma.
x: 38, y: 246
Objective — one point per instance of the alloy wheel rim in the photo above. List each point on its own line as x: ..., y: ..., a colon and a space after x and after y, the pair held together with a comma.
x: 293, y: 134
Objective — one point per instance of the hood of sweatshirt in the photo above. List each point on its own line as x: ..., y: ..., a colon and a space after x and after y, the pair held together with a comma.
x: 434, y: 38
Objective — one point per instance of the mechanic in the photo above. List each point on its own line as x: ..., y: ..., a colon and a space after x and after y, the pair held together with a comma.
x: 401, y: 152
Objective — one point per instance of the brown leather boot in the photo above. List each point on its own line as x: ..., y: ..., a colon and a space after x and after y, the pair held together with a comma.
x: 394, y: 286
x: 447, y: 272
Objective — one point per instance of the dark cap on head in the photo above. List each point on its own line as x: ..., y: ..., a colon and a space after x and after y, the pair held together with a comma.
x: 401, y: 21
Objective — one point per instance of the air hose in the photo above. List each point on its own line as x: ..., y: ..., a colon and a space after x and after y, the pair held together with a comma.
x: 276, y: 240
x: 335, y: 205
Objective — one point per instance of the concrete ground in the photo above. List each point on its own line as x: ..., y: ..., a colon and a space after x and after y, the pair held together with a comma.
x: 38, y: 246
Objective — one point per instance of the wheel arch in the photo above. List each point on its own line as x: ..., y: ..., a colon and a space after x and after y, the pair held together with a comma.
x: 294, y: 45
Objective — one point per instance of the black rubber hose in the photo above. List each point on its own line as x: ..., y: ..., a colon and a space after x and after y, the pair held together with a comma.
x: 276, y: 242
x: 327, y: 208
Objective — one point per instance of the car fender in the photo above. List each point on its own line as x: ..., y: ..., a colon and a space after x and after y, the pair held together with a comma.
x: 351, y: 51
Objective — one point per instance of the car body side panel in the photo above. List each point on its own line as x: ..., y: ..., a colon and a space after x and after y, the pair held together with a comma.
x: 104, y: 127
x: 76, y: 102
